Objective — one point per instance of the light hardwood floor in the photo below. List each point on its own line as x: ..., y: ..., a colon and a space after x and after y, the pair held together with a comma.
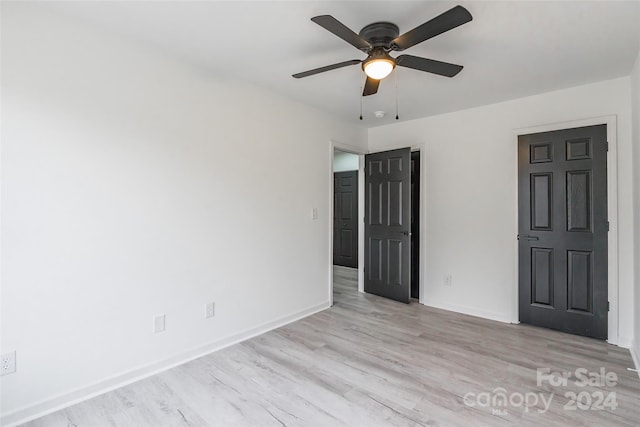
x: 369, y: 361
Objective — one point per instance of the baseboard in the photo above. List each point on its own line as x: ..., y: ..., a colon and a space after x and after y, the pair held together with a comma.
x: 624, y: 342
x: 49, y: 405
x: 634, y: 355
x: 504, y: 318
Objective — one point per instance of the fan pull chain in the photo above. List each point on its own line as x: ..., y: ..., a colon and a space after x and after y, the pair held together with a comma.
x: 395, y: 76
x: 361, y: 89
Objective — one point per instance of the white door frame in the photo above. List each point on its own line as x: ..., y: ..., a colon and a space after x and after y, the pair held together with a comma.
x: 612, y: 210
x: 333, y: 146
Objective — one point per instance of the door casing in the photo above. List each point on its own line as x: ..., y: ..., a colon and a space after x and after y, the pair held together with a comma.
x: 612, y: 211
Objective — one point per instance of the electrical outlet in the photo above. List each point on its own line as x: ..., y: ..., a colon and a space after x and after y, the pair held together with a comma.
x: 448, y: 280
x: 159, y: 323
x: 210, y: 310
x: 8, y: 363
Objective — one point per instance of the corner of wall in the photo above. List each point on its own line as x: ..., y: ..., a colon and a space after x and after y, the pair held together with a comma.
x: 635, y: 118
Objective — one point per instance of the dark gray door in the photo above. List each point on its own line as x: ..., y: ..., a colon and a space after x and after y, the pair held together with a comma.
x: 345, y: 219
x: 562, y: 223
x: 387, y: 268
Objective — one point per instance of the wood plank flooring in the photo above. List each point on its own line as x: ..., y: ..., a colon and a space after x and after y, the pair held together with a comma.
x: 369, y: 361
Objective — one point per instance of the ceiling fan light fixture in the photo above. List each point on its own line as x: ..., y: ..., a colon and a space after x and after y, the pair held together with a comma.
x: 378, y: 69
x: 379, y: 65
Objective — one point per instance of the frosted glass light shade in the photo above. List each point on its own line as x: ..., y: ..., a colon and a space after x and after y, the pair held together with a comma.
x: 378, y: 68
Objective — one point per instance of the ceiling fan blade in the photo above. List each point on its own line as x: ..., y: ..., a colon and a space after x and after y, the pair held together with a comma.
x: 442, y: 23
x: 331, y: 24
x: 370, y: 86
x: 326, y: 68
x: 428, y: 65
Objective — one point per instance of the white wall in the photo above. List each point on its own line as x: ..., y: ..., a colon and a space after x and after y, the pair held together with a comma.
x: 343, y: 161
x: 134, y: 185
x: 469, y: 179
x: 635, y: 114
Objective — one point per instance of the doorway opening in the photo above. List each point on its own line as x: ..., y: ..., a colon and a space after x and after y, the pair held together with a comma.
x: 347, y: 267
x: 346, y: 222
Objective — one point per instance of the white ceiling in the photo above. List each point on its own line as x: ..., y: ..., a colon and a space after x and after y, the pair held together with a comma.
x: 510, y: 49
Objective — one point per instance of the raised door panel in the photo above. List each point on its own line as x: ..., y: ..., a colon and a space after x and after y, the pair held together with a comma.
x: 541, y: 201
x: 579, y: 200
x: 580, y: 281
x: 542, y: 273
x: 375, y: 261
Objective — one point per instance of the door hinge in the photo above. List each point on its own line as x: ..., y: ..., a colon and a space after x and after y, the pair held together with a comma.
x: 608, y: 306
x: 606, y: 145
x: 608, y: 225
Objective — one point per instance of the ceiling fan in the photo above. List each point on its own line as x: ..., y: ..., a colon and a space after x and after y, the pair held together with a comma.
x: 380, y: 38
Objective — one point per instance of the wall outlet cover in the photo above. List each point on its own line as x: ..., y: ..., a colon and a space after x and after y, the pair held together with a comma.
x: 210, y: 310
x: 8, y: 363
x: 159, y: 323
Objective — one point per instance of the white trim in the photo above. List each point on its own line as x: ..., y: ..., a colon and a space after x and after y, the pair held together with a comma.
x: 361, y: 207
x: 422, y: 217
x: 515, y: 317
x: 612, y: 209
x: 471, y: 311
x: 60, y: 401
x: 624, y: 342
x: 333, y: 145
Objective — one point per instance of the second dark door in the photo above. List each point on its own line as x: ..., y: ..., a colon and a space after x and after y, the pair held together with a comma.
x: 387, y: 268
x: 345, y: 219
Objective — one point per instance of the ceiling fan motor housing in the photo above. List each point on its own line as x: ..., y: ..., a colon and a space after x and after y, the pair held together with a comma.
x: 380, y: 34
